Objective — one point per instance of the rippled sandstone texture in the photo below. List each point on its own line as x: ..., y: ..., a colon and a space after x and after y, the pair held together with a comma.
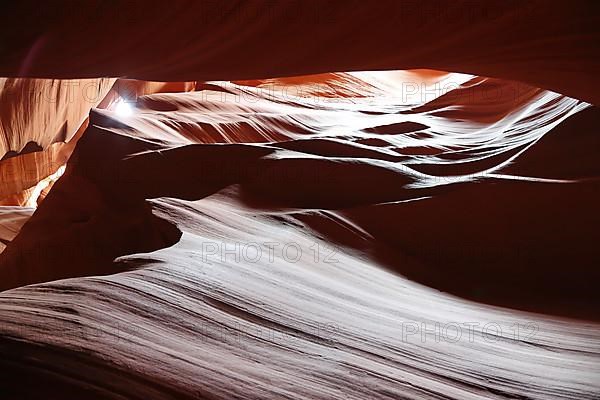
x: 230, y: 165
x: 380, y: 235
x: 41, y: 121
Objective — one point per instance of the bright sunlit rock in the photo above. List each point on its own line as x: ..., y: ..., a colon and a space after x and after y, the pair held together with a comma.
x: 123, y: 108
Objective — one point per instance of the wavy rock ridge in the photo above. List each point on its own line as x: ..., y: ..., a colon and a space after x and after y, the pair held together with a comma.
x: 269, y: 237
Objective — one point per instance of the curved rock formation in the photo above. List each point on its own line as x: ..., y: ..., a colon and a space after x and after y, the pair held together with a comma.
x: 551, y: 45
x: 214, y: 223
x: 269, y: 245
x: 41, y: 121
